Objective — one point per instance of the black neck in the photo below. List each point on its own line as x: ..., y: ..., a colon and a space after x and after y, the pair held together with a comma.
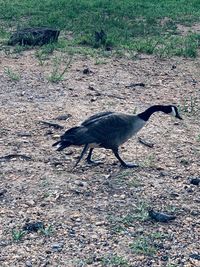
x: 147, y: 113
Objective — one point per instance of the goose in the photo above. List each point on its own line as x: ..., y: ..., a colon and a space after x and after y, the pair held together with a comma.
x: 109, y: 130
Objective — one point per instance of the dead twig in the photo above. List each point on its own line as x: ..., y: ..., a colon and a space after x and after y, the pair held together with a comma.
x: 52, y: 124
x: 144, y: 142
x: 135, y: 84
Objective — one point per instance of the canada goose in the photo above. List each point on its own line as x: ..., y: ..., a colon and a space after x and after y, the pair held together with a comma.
x: 109, y: 130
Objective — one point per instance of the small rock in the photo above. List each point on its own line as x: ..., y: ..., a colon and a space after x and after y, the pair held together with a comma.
x: 100, y: 223
x: 94, y: 237
x: 189, y: 190
x: 91, y: 86
x: 63, y: 117
x: 72, y: 232
x: 176, y: 177
x: 28, y: 264
x: 57, y: 247
x: 33, y: 227
x: 195, y: 181
x: 22, y: 93
x: 30, y: 203
x: 80, y: 183
x: 195, y: 256
x: 123, y: 196
x: 75, y: 216
x: 195, y: 212
x: 3, y: 243
x: 2, y: 192
x: 87, y: 71
x: 93, y: 99
x: 140, y: 230
x: 163, y: 173
x: 140, y: 257
x: 174, y: 194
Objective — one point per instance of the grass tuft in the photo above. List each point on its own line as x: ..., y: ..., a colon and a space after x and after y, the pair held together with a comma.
x: 17, y: 235
x: 57, y: 74
x: 114, y: 260
x: 149, y: 244
x: 14, y: 76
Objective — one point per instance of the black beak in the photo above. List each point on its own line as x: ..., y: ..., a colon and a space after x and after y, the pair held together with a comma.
x: 178, y: 116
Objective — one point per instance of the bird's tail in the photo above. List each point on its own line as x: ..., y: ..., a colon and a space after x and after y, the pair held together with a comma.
x: 71, y: 137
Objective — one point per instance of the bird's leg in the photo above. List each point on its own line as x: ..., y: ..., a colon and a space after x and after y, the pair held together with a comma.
x: 89, y: 160
x: 123, y: 163
x: 82, y: 154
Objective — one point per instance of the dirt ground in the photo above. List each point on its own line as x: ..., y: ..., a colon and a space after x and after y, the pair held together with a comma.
x: 95, y: 215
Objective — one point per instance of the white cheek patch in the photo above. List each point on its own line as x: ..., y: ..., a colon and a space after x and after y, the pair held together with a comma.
x: 173, y: 112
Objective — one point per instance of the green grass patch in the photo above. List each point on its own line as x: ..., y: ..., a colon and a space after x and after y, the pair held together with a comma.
x: 147, y: 26
x: 114, y: 260
x: 148, y: 244
x: 17, y: 235
x: 57, y: 74
x: 13, y: 76
x: 120, y: 224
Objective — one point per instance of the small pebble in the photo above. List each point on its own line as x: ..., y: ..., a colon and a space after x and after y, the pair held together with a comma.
x: 33, y: 227
x: 93, y: 99
x: 189, y: 190
x: 100, y: 223
x: 2, y: 192
x: 72, y: 232
x: 57, y: 247
x: 63, y: 117
x: 87, y: 71
x: 195, y: 181
x: 195, y: 256
x: 94, y: 237
x: 195, y: 212
x: 28, y: 264
x: 80, y: 183
x: 30, y: 203
x: 163, y: 173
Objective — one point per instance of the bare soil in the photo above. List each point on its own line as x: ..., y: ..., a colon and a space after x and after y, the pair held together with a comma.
x: 86, y: 207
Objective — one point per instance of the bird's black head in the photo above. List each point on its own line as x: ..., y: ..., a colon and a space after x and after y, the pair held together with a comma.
x: 173, y: 110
